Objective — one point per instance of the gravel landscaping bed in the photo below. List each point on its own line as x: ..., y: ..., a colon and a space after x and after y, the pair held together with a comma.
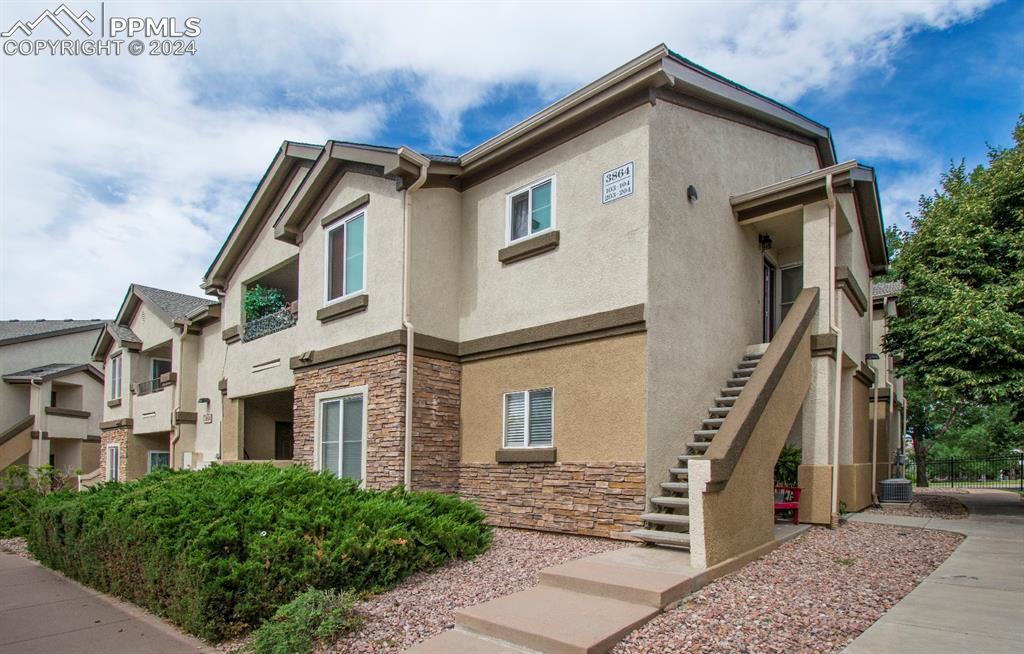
x: 425, y: 604
x: 927, y: 504
x: 15, y: 546
x: 813, y: 594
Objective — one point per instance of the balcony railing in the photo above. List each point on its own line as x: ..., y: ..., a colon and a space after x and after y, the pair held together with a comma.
x: 269, y: 324
x: 147, y: 387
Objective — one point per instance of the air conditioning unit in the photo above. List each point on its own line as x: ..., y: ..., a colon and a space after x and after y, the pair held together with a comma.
x: 896, y: 490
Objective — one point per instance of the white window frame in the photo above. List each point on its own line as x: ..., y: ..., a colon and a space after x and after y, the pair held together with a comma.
x: 113, y: 472
x: 526, y: 419
x: 529, y: 209
x: 116, y: 362
x: 330, y: 227
x: 149, y: 459
x: 330, y: 396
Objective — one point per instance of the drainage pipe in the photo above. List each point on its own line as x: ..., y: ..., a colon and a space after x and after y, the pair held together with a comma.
x: 422, y: 162
x: 835, y: 324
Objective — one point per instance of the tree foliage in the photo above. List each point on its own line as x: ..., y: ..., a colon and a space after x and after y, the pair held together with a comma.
x: 960, y: 333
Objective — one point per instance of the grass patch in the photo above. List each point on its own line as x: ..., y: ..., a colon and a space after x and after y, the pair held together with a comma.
x: 218, y: 551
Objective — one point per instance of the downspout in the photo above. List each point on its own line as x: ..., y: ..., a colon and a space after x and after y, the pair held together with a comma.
x: 874, y: 427
x: 410, y: 332
x: 835, y: 326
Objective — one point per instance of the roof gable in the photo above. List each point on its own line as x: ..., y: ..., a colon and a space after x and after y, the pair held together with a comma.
x: 20, y: 331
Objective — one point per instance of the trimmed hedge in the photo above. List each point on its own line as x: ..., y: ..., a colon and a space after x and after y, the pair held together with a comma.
x: 217, y: 551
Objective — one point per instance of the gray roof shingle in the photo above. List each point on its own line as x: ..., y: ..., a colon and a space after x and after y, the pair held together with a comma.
x: 175, y: 305
x: 26, y: 330
x: 48, y: 371
x: 885, y: 289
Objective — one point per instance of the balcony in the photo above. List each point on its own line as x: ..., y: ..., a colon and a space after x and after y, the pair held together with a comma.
x: 151, y: 409
x: 270, y: 323
x: 66, y: 423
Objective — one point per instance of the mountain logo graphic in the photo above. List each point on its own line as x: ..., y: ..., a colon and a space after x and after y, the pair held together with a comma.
x: 52, y: 16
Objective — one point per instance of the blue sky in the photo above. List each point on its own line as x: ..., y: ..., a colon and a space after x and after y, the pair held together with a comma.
x: 137, y: 167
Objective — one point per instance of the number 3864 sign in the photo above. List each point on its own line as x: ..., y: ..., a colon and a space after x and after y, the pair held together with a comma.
x: 618, y: 183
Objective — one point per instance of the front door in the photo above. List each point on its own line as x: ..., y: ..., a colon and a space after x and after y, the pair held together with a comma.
x: 768, y: 302
x: 283, y: 441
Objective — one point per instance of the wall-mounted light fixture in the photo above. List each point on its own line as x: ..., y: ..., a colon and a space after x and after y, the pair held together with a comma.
x: 691, y: 193
x: 765, y: 241
x: 872, y: 356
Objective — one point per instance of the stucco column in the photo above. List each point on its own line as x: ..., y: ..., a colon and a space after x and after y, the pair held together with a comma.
x: 232, y: 430
x: 815, y: 473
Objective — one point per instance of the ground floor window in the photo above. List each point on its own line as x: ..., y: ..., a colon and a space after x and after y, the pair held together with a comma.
x: 113, y: 458
x: 157, y: 459
x: 529, y: 418
x: 342, y: 436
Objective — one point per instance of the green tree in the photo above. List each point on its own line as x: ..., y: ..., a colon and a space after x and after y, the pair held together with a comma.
x: 960, y: 335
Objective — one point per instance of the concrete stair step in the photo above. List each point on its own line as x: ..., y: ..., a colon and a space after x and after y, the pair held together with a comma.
x: 699, y: 446
x: 704, y: 434
x: 731, y: 391
x: 748, y: 363
x: 736, y: 383
x: 742, y: 373
x: 686, y: 458
x: 649, y: 586
x: 726, y: 401
x: 456, y: 640
x: 675, y: 486
x: 713, y: 423
x: 671, y: 502
x: 555, y: 620
x: 680, y: 472
x: 719, y: 411
x: 671, y: 538
x: 667, y: 519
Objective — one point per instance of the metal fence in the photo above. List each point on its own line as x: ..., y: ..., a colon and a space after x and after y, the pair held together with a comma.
x: 988, y: 472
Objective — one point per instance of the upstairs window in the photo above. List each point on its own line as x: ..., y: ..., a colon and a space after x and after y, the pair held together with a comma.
x: 345, y: 256
x: 115, y: 377
x: 529, y: 418
x: 531, y: 210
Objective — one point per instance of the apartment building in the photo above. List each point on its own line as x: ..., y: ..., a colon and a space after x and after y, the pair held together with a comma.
x: 50, y: 397
x: 151, y: 354
x: 605, y: 320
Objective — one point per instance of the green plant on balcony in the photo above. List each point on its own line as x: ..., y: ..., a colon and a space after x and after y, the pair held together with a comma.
x: 261, y: 301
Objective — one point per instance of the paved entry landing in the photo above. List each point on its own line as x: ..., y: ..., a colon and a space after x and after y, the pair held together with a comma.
x: 585, y: 606
x: 41, y: 611
x: 974, y: 601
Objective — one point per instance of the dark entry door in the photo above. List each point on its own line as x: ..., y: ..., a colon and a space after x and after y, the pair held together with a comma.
x: 283, y: 441
x: 768, y: 302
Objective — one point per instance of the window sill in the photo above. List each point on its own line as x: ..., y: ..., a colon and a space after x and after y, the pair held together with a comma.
x: 525, y: 455
x: 344, y: 308
x: 113, y: 403
x: 530, y: 247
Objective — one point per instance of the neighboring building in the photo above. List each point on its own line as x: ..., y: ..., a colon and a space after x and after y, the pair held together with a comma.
x: 892, y: 410
x: 50, y: 397
x: 587, y: 296
x: 151, y: 354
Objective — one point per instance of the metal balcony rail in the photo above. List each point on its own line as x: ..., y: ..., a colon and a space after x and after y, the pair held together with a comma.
x: 147, y: 387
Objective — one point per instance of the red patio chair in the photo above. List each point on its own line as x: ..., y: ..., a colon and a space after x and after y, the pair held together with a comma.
x: 791, y: 504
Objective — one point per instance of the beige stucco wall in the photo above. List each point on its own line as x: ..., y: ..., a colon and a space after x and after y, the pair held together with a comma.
x: 599, y: 391
x: 69, y: 348
x: 210, y: 370
x: 261, y: 414
x: 601, y: 261
x: 436, y: 262
x: 705, y: 269
x: 138, y: 449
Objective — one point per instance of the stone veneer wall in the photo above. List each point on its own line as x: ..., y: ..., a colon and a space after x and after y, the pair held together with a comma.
x: 435, y: 413
x: 436, y: 438
x: 592, y: 499
x: 117, y: 436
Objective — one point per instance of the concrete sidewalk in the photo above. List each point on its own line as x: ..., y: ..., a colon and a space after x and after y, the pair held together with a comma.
x: 42, y: 611
x: 974, y: 601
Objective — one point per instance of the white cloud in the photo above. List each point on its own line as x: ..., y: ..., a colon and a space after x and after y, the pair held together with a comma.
x: 133, y: 169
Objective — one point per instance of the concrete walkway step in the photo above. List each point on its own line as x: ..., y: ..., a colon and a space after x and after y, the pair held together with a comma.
x: 455, y: 641
x: 675, y: 486
x: 555, y: 621
x: 650, y: 587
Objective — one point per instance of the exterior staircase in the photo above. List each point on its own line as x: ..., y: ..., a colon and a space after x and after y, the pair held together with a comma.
x: 668, y: 523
